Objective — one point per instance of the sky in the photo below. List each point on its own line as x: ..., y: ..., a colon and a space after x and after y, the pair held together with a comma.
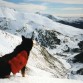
x: 64, y: 8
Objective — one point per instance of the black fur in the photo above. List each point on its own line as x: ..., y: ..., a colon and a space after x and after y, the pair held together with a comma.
x: 5, y: 69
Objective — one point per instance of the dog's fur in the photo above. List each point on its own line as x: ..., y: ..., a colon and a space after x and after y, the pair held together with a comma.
x: 5, y: 68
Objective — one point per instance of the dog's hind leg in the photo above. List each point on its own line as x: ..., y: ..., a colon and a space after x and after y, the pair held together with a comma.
x: 5, y: 70
x: 23, y: 71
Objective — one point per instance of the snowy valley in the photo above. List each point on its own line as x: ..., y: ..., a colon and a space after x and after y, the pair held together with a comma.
x: 52, y: 55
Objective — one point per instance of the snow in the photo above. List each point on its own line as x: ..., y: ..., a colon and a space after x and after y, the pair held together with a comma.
x: 34, y: 71
x: 19, y: 19
x: 36, y: 79
x: 5, y: 42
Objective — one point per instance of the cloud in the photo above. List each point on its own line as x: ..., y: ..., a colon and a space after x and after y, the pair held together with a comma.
x: 56, y: 1
x: 23, y: 6
x: 73, y: 9
x: 64, y: 1
x: 45, y: 8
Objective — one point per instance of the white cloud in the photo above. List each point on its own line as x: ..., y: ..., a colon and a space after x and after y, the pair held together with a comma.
x: 59, y: 1
x: 43, y: 8
x: 23, y: 6
x: 65, y: 1
x: 74, y: 9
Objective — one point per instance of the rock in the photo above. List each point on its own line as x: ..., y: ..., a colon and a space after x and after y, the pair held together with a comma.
x: 80, y: 71
x: 78, y: 58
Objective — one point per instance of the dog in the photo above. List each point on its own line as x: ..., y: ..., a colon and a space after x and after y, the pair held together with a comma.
x: 7, y: 60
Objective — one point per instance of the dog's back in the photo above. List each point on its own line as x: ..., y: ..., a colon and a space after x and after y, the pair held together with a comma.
x: 26, y: 45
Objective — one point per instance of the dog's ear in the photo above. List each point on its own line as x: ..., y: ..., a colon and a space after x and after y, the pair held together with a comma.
x: 23, y: 38
x: 32, y: 35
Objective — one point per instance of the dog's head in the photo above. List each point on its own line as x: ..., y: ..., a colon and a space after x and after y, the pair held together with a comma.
x: 27, y: 43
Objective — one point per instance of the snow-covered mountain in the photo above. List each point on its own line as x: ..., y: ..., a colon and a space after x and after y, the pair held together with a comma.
x: 56, y: 43
x: 72, y: 21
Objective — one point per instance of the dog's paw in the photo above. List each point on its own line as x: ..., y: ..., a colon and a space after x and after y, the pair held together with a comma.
x: 7, y: 76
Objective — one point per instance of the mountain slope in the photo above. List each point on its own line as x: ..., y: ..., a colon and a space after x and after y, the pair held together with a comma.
x: 72, y: 21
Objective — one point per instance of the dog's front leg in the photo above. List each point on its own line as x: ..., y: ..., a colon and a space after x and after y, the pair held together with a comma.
x: 23, y: 71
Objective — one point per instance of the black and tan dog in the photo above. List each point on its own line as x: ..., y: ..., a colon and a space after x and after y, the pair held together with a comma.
x: 11, y: 62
